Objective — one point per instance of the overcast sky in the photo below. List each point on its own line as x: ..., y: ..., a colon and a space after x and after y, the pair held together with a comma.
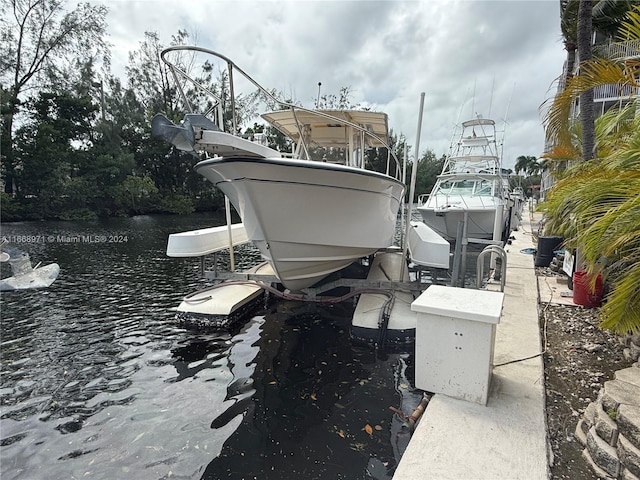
x: 509, y: 53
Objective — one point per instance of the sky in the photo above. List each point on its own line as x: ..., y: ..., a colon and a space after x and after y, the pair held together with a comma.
x: 496, y: 59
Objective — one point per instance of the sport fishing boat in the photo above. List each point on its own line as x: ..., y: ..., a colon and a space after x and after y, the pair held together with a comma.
x: 470, y: 188
x: 310, y: 212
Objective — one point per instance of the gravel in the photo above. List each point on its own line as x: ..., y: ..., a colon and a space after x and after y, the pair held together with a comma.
x: 579, y: 358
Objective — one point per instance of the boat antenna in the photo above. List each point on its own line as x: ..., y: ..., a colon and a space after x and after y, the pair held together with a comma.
x: 318, y: 99
x: 473, y: 100
x: 493, y: 83
x: 412, y: 189
x: 453, y: 135
x: 504, y: 122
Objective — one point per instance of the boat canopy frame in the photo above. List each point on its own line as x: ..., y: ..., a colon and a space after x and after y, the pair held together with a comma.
x: 361, y: 129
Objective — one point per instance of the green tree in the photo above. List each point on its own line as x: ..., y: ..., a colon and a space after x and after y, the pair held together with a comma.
x: 150, y: 78
x: 43, y: 44
x: 429, y: 167
x: 52, y: 148
x: 341, y: 101
x: 136, y: 193
x: 151, y: 90
x: 527, y: 164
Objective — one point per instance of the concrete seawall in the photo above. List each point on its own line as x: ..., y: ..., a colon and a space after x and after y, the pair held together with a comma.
x: 506, y: 438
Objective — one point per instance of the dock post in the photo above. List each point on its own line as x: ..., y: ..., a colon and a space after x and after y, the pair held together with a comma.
x: 465, y: 242
x: 227, y: 207
x: 497, y: 235
x: 457, y: 254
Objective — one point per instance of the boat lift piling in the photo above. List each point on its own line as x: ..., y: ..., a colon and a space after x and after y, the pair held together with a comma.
x: 227, y: 210
x: 412, y: 188
x: 457, y: 255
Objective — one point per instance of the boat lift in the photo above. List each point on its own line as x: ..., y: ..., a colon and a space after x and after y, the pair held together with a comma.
x: 384, y: 297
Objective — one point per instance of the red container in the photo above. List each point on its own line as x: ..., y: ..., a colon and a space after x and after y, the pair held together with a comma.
x: 582, y: 291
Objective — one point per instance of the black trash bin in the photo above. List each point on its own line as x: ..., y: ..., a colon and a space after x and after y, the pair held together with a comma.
x: 546, y: 247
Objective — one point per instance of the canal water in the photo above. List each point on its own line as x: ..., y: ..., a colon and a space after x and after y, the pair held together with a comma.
x: 99, y: 381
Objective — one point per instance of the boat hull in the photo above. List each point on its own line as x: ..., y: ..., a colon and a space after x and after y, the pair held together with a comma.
x: 480, y: 224
x: 309, y: 219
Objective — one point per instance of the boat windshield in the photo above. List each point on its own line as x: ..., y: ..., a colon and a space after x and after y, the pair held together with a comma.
x: 467, y: 188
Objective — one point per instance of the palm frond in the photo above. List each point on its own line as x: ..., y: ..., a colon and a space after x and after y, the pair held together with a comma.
x: 630, y: 30
x: 616, y: 232
x: 621, y: 311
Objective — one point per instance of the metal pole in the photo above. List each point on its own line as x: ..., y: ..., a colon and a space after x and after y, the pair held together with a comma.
x: 232, y: 94
x: 457, y: 253
x: 227, y: 207
x: 497, y: 233
x: 362, y: 150
x: 465, y: 242
x: 403, y: 214
x: 412, y: 188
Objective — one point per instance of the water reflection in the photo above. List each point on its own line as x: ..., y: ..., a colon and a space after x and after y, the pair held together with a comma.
x: 313, y: 394
x: 99, y: 381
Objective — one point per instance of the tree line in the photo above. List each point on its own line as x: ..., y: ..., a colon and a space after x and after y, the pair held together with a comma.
x: 76, y: 140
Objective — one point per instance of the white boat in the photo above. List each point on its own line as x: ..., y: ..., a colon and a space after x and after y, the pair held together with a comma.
x: 471, y: 188
x: 25, y: 276
x: 311, y: 214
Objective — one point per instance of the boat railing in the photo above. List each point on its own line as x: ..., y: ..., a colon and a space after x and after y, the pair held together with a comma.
x: 217, y: 108
x: 476, y: 136
x: 480, y: 164
x: 422, y: 199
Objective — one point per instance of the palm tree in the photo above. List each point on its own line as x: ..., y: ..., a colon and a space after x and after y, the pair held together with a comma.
x: 527, y: 164
x: 586, y: 97
x: 607, y: 15
x: 606, y: 18
x: 595, y: 205
x: 569, y: 29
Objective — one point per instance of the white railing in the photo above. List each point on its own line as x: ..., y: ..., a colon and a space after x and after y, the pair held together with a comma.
x: 619, y: 50
x: 614, y: 91
x: 217, y: 109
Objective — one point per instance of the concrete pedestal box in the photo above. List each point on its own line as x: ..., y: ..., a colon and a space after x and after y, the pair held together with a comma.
x: 455, y: 336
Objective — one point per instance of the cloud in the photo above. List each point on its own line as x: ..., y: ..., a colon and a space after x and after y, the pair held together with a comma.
x: 484, y: 57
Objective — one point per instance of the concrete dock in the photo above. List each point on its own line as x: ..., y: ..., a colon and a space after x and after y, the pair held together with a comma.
x: 507, y: 438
